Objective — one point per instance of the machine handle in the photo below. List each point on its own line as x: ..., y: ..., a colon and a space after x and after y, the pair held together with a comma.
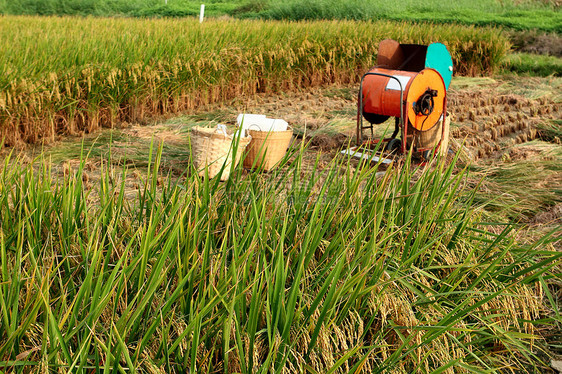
x: 359, y: 131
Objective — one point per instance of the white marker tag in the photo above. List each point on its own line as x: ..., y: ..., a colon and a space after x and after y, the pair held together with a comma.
x: 393, y: 84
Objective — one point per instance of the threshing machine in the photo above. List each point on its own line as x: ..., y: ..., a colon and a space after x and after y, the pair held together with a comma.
x: 409, y: 83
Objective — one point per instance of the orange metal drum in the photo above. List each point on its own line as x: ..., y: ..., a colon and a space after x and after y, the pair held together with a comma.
x: 381, y: 95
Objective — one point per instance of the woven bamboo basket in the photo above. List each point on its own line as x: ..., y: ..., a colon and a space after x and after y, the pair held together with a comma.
x: 430, y: 138
x: 212, y: 150
x: 267, y: 148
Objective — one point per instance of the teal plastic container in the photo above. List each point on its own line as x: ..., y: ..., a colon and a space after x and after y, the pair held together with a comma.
x: 439, y: 58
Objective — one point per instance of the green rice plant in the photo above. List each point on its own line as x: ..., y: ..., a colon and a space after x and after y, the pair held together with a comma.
x: 329, y: 269
x: 111, y: 70
x: 533, y: 65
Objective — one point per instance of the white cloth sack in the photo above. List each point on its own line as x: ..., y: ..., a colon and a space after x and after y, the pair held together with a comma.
x: 260, y: 122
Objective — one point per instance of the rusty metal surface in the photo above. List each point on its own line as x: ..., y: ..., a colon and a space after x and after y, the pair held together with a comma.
x: 390, y: 55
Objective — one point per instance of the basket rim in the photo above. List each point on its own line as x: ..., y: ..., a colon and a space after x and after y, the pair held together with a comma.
x: 259, y: 133
x: 289, y: 128
x: 198, y: 130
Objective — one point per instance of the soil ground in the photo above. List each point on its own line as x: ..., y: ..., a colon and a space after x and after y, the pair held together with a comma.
x: 498, y: 126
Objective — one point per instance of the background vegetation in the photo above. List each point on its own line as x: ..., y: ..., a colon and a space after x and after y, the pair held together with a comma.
x: 149, y: 8
x: 529, y: 14
x: 516, y: 15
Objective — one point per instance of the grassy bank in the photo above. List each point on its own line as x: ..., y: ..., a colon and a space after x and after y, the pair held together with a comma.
x: 533, y: 65
x: 519, y: 15
x: 66, y: 75
x: 327, y: 270
x: 108, y: 8
x: 513, y: 15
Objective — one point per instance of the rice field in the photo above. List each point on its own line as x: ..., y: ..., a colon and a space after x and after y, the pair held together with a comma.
x: 331, y: 270
x: 116, y: 256
x: 74, y: 75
